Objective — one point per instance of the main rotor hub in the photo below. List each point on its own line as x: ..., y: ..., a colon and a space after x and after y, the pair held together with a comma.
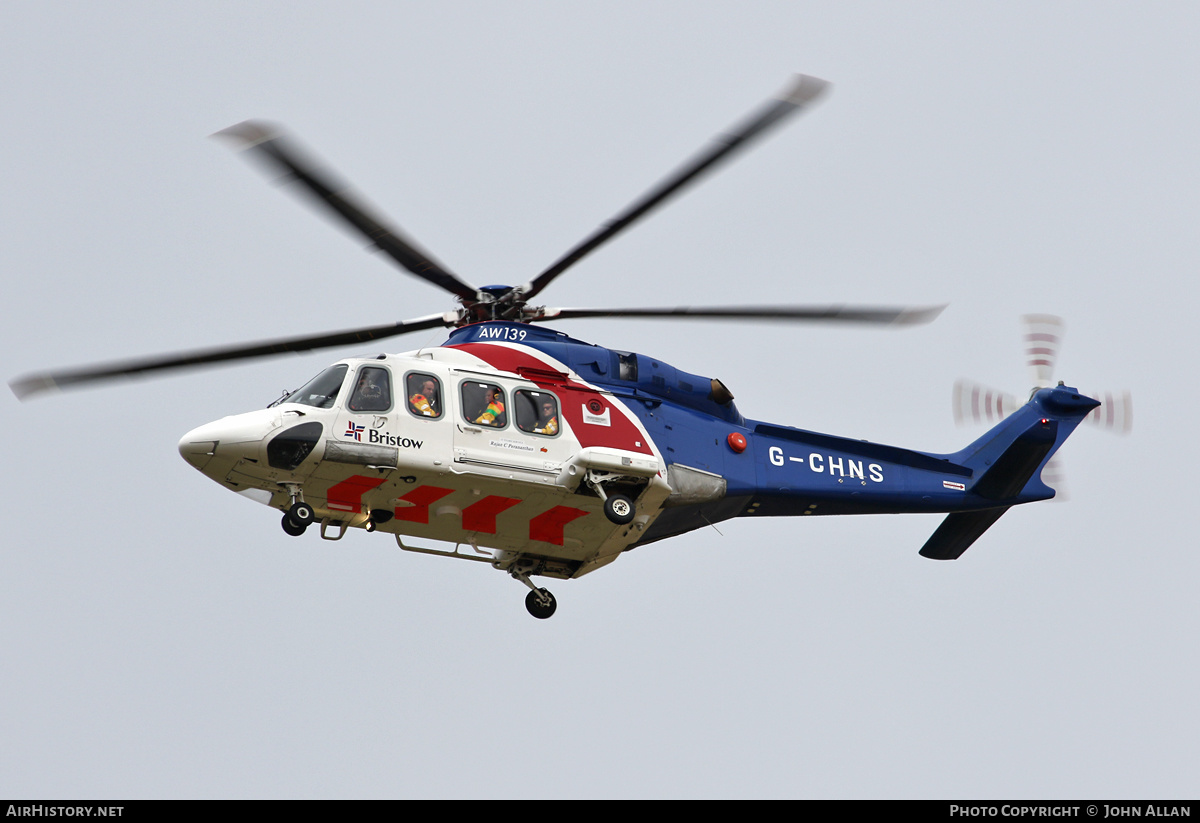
x: 494, y: 303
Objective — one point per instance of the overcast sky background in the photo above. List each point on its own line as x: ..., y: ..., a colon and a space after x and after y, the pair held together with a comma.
x: 162, y: 637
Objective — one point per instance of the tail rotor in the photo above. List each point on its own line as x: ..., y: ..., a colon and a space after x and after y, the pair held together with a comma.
x: 975, y: 403
x: 1116, y: 413
x: 1043, y: 335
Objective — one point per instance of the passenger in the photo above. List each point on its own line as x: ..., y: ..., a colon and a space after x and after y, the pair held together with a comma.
x: 547, y: 420
x: 495, y: 409
x: 425, y: 402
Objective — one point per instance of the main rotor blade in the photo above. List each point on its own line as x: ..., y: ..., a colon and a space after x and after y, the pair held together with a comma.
x: 268, y: 143
x: 802, y: 91
x: 32, y: 384
x: 885, y: 315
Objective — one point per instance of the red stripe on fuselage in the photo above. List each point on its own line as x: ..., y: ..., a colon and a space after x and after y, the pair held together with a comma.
x: 421, y: 500
x: 548, y: 526
x: 621, y: 434
x: 347, y: 495
x: 481, y: 516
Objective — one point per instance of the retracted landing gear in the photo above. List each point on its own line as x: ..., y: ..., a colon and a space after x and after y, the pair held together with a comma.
x: 540, y: 603
x: 299, y: 515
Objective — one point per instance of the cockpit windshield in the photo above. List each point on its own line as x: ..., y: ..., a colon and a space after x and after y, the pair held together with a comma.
x: 322, y: 390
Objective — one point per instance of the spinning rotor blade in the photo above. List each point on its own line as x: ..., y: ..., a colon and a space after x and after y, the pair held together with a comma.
x: 902, y: 316
x: 802, y: 91
x: 979, y: 404
x: 1115, y: 412
x: 1055, y: 477
x: 1043, y: 335
x: 32, y: 384
x: 269, y: 144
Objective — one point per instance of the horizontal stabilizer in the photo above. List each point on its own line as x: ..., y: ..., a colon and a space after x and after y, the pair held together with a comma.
x: 957, y: 532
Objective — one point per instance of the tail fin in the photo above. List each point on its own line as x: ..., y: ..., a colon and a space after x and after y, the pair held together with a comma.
x: 1006, y: 465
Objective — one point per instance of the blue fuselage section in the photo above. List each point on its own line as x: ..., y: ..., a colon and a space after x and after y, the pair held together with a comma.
x: 785, y: 471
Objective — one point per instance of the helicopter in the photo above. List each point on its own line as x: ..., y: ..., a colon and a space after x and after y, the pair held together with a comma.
x: 543, y: 455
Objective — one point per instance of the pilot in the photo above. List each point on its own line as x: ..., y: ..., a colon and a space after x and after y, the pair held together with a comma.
x: 547, y: 419
x: 369, y: 394
x: 425, y: 402
x: 495, y: 408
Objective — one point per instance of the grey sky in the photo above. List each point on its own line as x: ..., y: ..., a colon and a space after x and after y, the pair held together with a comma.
x: 163, y: 638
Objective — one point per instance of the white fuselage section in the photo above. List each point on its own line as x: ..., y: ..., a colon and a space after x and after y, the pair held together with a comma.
x: 488, y: 445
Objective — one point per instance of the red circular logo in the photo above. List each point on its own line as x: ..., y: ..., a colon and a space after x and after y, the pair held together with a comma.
x: 595, y: 406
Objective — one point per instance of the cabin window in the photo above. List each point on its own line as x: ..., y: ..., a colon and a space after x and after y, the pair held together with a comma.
x: 424, y: 394
x: 537, y: 412
x: 372, y: 392
x: 483, y: 403
x: 322, y: 390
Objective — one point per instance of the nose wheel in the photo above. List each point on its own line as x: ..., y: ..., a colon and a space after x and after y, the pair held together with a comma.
x: 298, y: 518
x: 291, y: 528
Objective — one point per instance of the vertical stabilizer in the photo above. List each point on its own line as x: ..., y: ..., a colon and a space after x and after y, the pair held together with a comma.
x: 1006, y: 464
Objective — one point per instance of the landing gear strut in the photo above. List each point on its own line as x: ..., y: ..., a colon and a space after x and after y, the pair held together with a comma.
x: 540, y: 603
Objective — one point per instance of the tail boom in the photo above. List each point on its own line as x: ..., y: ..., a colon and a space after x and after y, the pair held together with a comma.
x: 806, y: 473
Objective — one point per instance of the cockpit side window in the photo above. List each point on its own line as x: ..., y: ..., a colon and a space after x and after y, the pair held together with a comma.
x: 372, y: 391
x: 322, y: 390
x: 537, y: 412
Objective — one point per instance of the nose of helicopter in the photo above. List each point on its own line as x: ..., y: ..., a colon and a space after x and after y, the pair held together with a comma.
x: 195, y: 450
x: 230, y: 438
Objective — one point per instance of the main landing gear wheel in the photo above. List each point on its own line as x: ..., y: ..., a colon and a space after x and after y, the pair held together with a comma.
x: 541, y: 603
x: 619, y: 509
x: 291, y: 527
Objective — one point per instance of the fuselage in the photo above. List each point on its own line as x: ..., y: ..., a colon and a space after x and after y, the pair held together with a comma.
x: 508, y: 437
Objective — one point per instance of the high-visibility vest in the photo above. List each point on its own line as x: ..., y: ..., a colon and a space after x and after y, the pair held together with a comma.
x: 420, y: 404
x: 491, y: 413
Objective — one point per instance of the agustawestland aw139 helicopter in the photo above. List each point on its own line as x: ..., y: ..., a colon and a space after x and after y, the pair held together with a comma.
x: 543, y: 455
